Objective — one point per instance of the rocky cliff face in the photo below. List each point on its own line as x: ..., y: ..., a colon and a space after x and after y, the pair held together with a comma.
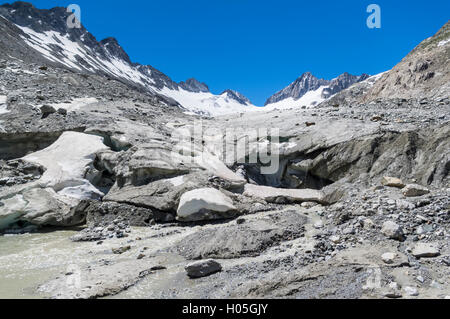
x: 192, y: 85
x: 341, y: 83
x: 298, y: 88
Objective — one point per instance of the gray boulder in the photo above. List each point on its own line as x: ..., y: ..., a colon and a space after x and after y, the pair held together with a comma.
x: 205, y: 204
x: 414, y: 190
x: 251, y: 238
x: 393, y: 231
x: 425, y: 250
x: 203, y: 268
x: 46, y: 110
x: 392, y: 182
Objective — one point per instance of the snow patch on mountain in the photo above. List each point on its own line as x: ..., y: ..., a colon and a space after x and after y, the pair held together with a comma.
x: 308, y: 91
x: 206, y: 103
x: 310, y: 99
x: 444, y: 42
x: 60, y: 49
x: 194, y: 96
x: 76, y: 104
x: 371, y: 80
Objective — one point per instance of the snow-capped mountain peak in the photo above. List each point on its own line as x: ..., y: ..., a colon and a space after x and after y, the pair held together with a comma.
x: 240, y: 98
x: 308, y: 90
x: 113, y: 47
x: 305, y: 83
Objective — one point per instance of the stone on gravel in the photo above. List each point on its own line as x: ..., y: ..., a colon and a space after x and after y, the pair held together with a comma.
x: 121, y: 250
x: 414, y: 190
x: 393, y: 291
x: 205, y: 204
x: 46, y: 110
x: 389, y: 258
x: 411, y: 291
x: 335, y: 239
x: 392, y: 182
x: 271, y: 194
x: 203, y: 268
x: 392, y: 231
x: 425, y: 250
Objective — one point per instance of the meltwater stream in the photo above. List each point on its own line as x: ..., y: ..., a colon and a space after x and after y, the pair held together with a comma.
x: 27, y: 260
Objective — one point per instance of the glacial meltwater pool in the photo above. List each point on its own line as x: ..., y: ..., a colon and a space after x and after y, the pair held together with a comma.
x: 28, y: 260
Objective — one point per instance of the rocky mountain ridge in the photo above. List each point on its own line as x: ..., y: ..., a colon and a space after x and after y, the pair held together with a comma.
x: 308, y: 82
x: 43, y: 36
x: 131, y: 197
x: 78, y: 50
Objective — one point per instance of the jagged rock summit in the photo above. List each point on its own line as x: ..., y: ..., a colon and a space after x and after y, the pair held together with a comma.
x: 309, y: 90
x: 240, y: 98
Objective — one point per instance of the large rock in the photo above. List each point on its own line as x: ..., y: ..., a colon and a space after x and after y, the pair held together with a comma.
x: 205, y: 204
x: 40, y: 207
x: 392, y: 231
x: 392, y: 182
x: 235, y: 240
x: 378, y: 155
x: 148, y: 163
x: 163, y: 195
x: 67, y: 162
x: 424, y: 250
x: 46, y: 110
x: 105, y: 213
x: 414, y: 190
x: 203, y: 268
x: 271, y: 194
x: 52, y: 199
x: 389, y: 258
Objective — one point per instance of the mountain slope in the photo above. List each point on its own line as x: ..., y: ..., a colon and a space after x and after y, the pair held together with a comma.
x: 422, y: 73
x: 42, y: 36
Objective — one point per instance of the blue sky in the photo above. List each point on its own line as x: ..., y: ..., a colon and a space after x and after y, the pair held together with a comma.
x: 259, y: 47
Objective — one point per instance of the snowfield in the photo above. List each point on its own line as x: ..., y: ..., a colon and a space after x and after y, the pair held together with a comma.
x: 310, y: 99
x: 207, y: 103
x: 43, y: 43
x: 444, y: 42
